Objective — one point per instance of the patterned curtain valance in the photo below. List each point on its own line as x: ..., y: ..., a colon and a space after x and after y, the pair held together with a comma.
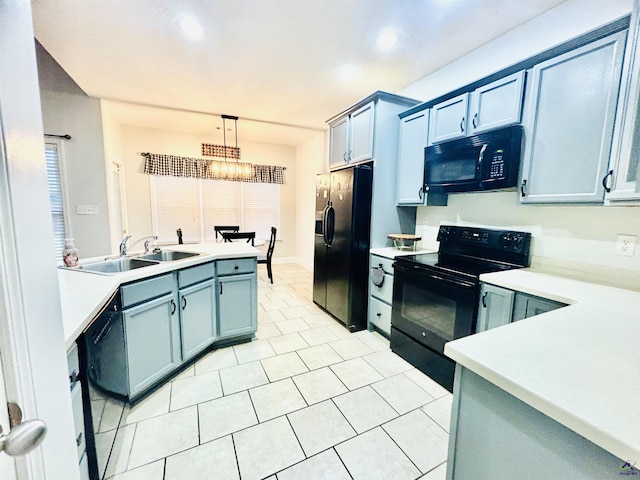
x: 157, y: 164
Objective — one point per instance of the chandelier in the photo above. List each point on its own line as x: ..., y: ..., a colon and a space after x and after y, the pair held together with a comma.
x: 227, y: 170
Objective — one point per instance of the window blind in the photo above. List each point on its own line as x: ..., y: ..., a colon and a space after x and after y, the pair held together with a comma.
x: 197, y: 205
x: 54, y: 181
x: 176, y: 205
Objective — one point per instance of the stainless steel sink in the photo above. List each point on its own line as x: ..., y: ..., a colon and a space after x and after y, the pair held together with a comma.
x: 117, y: 265
x: 168, y: 256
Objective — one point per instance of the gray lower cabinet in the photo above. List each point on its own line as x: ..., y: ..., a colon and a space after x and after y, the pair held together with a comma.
x: 197, y: 317
x: 237, y: 291
x: 526, y: 306
x: 500, y: 306
x: 569, y: 123
x: 380, y: 294
x: 497, y: 436
x: 496, y: 307
x: 157, y: 324
x: 152, y: 337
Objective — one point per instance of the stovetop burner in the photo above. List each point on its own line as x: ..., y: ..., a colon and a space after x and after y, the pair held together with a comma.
x: 470, y: 251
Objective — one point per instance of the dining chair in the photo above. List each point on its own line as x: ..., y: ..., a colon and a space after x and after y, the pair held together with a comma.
x: 267, y: 258
x: 230, y: 236
x: 225, y: 228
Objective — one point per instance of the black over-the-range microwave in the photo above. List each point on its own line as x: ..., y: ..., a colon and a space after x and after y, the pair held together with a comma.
x: 486, y: 161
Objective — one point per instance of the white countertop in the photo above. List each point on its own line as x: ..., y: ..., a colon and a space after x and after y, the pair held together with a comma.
x: 392, y: 252
x: 579, y: 365
x: 84, y: 293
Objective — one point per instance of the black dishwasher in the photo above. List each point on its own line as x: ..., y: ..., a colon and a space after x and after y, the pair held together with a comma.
x: 105, y: 350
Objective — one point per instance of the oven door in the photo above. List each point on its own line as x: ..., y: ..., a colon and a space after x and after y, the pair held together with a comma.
x: 433, y: 308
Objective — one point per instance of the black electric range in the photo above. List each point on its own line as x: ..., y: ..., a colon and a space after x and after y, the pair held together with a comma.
x: 436, y: 296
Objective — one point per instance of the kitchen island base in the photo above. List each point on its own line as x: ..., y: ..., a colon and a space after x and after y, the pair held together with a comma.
x: 495, y: 435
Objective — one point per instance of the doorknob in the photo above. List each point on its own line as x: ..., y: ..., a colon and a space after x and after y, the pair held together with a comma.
x: 23, y: 438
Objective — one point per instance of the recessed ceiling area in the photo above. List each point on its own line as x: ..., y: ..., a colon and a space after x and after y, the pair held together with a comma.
x: 283, y: 66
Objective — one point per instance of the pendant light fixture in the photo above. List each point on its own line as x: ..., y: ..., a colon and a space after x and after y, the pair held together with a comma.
x: 227, y: 170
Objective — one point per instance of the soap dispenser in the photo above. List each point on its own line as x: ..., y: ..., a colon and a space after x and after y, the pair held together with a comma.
x: 70, y: 253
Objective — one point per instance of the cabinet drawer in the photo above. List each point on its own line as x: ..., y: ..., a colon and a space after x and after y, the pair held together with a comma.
x: 385, y: 263
x: 380, y: 315
x: 192, y: 275
x: 236, y: 265
x: 147, y: 289
x: 383, y: 292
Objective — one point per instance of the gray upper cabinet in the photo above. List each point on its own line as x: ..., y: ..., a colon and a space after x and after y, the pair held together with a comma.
x: 412, y: 141
x: 449, y: 119
x: 624, y: 182
x: 497, y: 104
x: 569, y: 122
x: 372, y: 125
x: 339, y: 142
x: 361, y: 134
x: 352, y: 137
x: 496, y: 307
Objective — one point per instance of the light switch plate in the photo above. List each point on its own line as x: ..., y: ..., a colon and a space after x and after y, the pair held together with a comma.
x: 626, y: 245
x: 87, y: 209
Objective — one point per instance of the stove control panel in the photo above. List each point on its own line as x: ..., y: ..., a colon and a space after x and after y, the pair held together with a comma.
x: 512, y: 240
x: 483, y: 239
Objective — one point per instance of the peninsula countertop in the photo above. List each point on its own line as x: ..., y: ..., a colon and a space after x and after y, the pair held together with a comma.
x: 579, y: 365
x: 83, y: 294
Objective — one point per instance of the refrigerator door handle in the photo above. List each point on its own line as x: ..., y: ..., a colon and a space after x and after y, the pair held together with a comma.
x: 331, y: 223
x: 324, y: 226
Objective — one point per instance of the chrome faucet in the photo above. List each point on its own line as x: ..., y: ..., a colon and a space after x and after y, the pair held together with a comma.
x: 123, y: 245
x: 147, y: 243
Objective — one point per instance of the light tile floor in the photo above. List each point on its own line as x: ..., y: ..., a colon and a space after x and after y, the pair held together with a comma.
x: 305, y: 400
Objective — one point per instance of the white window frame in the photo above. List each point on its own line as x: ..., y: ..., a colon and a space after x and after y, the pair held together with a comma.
x: 66, y: 210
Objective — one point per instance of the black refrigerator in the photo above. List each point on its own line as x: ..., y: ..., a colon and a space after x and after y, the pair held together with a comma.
x: 341, y: 260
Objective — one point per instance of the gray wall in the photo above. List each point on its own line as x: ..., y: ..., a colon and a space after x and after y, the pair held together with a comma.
x: 66, y: 109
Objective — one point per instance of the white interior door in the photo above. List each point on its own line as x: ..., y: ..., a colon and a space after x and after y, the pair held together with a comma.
x: 31, y: 330
x: 7, y: 465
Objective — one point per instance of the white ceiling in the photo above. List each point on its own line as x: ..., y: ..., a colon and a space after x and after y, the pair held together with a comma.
x: 276, y: 64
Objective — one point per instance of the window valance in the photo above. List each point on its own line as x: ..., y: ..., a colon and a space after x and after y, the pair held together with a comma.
x: 157, y: 164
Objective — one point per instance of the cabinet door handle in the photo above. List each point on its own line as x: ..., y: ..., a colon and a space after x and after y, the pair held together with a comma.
x: 344, y: 156
x: 604, y: 181
x: 522, y: 187
x: 475, y: 120
x: 349, y: 156
x: 379, y: 314
x: 462, y: 125
x: 173, y: 307
x: 420, y: 192
x: 484, y: 299
x: 184, y: 302
x: 220, y: 288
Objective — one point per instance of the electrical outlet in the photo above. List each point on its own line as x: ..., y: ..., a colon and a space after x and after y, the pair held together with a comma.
x: 626, y: 245
x: 87, y: 209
